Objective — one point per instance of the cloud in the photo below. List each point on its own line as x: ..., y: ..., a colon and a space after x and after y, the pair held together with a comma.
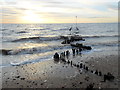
x: 57, y: 9
x: 10, y: 10
x: 113, y: 7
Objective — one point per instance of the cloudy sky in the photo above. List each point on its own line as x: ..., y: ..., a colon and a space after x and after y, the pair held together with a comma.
x: 58, y: 11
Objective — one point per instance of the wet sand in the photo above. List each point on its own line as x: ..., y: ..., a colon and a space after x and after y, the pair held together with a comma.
x: 51, y: 74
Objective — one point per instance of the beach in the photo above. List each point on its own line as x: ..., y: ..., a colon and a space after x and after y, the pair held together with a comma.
x: 27, y: 56
x: 52, y: 74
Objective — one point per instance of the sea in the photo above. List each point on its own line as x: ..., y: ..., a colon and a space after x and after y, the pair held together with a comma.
x: 33, y: 43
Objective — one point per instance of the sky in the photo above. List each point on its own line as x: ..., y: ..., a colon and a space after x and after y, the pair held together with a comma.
x: 58, y: 11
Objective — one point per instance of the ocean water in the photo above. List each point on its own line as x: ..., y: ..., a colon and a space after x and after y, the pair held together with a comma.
x: 32, y: 43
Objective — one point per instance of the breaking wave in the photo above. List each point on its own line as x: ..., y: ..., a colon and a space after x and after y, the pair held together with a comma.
x: 32, y: 50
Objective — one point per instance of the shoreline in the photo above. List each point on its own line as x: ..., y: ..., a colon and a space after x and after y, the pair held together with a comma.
x: 50, y: 74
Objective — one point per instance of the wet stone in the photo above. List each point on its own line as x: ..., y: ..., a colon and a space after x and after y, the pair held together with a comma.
x: 41, y: 84
x: 17, y: 76
x: 80, y: 82
x: 22, y: 78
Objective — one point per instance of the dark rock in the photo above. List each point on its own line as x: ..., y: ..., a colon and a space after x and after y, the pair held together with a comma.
x: 69, y: 39
x: 91, y: 71
x: 90, y: 87
x: 41, y: 83
x: 17, y: 77
x: 96, y: 72
x: 77, y: 45
x: 74, y: 65
x: 63, y: 59
x: 109, y: 77
x: 14, y: 79
x: 66, y: 42
x: 81, y: 82
x: 81, y: 46
x: 87, y: 47
x: 77, y: 65
x: 56, y: 56
x: 22, y: 78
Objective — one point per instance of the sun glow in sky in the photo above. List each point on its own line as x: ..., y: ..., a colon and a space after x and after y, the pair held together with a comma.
x: 58, y: 11
x: 30, y: 16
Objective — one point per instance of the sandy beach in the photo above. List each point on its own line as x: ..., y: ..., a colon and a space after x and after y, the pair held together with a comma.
x: 51, y: 74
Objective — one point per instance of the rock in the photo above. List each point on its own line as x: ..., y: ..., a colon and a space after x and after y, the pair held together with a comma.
x: 91, y: 71
x: 77, y: 45
x: 81, y: 46
x: 80, y: 82
x: 77, y: 65
x: 109, y: 77
x: 41, y: 83
x: 74, y: 65
x: 22, y: 78
x: 90, y: 87
x: 87, y: 47
x: 62, y: 58
x: 56, y: 56
x: 17, y: 77
x: 66, y: 42
x: 69, y: 39
x: 96, y: 72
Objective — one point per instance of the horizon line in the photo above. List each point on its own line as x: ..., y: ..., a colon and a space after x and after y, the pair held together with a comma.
x: 56, y: 23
